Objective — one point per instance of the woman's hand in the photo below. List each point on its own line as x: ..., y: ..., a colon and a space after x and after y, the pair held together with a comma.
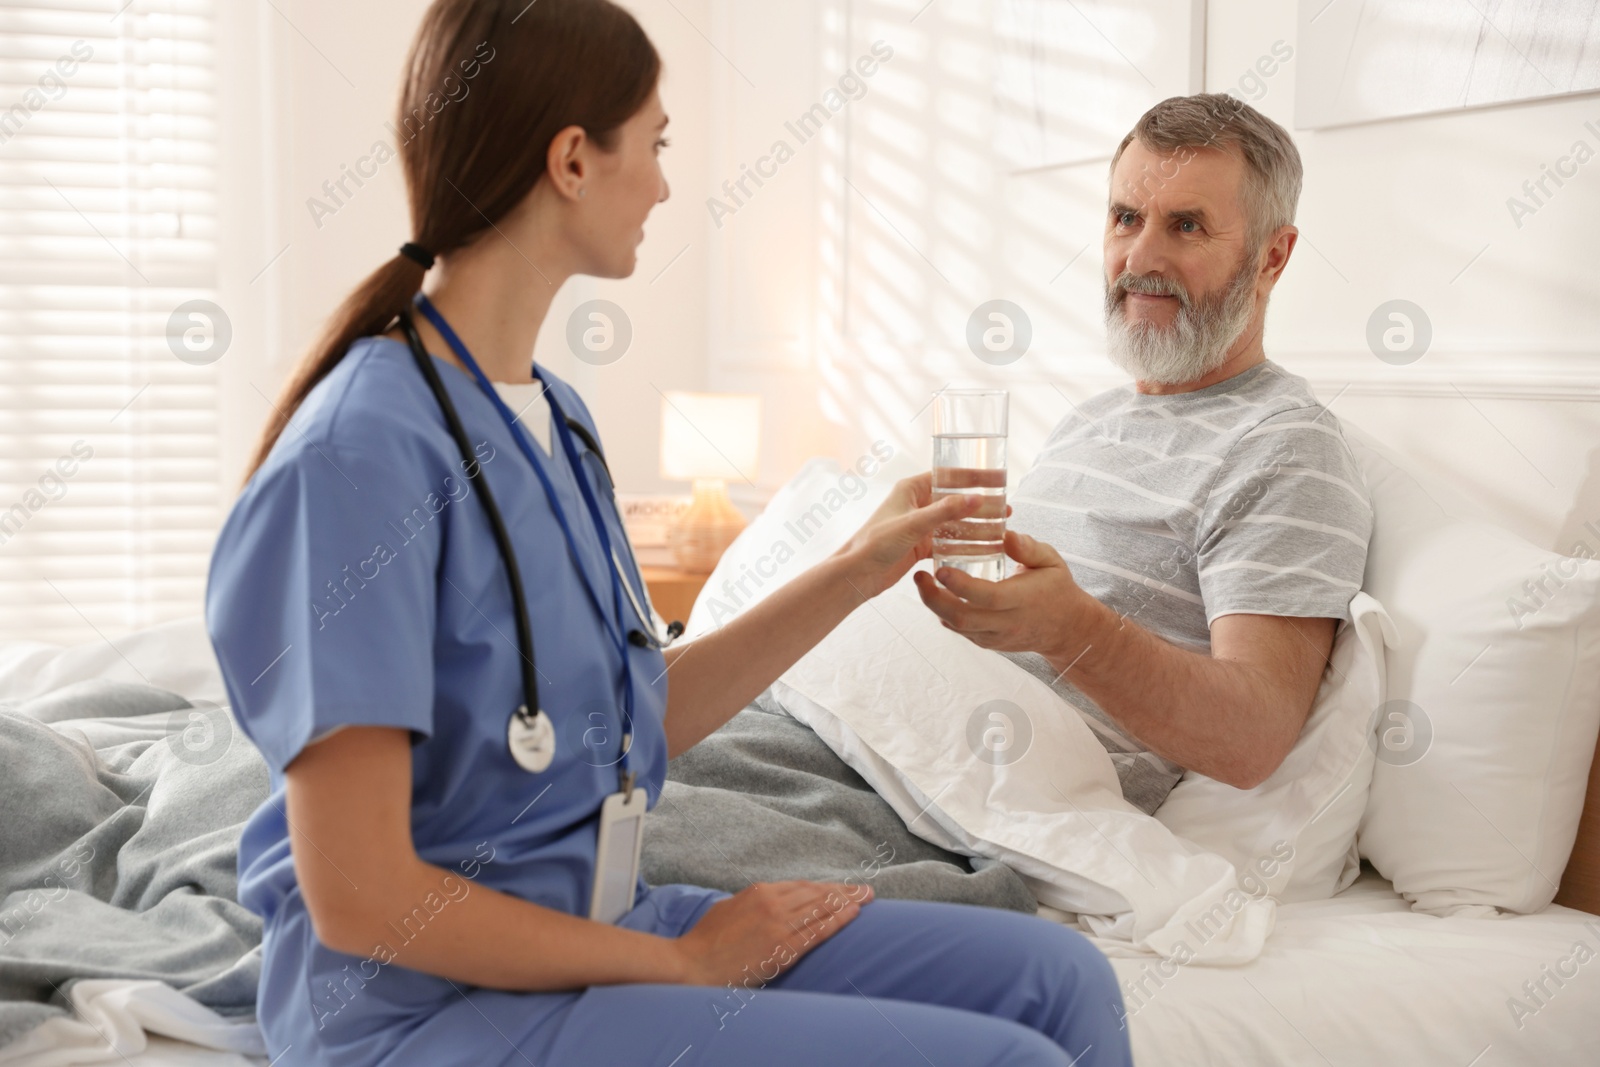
x: 765, y: 929
x: 900, y: 533
x: 720, y: 672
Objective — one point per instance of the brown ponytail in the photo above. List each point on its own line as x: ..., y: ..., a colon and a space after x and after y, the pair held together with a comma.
x: 472, y: 154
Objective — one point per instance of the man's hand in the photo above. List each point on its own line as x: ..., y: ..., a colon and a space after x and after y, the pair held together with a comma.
x: 1038, y: 609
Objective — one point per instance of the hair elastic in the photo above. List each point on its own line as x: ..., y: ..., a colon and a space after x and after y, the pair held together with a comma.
x: 418, y: 255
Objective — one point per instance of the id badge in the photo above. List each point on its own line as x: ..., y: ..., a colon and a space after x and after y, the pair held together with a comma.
x: 616, y: 866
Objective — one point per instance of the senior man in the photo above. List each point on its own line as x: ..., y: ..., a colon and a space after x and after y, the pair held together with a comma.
x: 1187, y: 544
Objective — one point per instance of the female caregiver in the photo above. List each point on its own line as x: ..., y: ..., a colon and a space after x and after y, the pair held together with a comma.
x: 426, y: 865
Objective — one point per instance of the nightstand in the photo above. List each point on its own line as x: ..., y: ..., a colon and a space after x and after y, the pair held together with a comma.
x: 673, y: 591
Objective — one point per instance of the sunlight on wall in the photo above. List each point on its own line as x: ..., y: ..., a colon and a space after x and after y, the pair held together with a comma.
x: 842, y: 291
x: 938, y: 202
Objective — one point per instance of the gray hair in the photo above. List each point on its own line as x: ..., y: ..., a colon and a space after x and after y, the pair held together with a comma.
x: 1273, y: 172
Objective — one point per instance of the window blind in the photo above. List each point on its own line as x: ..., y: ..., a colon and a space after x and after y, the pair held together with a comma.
x: 109, y: 494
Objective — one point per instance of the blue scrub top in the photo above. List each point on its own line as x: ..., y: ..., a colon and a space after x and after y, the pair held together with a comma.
x: 356, y: 581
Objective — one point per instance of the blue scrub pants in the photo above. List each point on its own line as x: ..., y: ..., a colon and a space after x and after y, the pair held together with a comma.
x: 906, y: 983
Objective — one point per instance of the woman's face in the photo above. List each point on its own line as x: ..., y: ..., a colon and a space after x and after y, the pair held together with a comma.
x: 627, y: 183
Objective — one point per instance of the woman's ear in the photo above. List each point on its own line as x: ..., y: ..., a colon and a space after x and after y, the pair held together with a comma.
x: 567, y: 162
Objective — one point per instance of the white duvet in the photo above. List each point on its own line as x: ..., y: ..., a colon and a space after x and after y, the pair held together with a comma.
x: 982, y: 758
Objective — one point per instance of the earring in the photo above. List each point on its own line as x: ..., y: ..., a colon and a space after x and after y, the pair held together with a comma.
x: 582, y: 193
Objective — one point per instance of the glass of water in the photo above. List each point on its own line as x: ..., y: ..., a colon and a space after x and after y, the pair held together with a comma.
x: 969, y: 457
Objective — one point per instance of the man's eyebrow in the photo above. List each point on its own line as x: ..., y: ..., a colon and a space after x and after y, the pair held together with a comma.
x: 1198, y: 214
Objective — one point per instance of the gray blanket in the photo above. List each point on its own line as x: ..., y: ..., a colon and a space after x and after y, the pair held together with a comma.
x: 764, y: 799
x: 120, y: 813
x: 121, y: 808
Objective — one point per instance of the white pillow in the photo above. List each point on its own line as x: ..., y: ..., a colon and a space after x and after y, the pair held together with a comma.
x: 980, y: 757
x: 176, y: 656
x: 1296, y: 831
x: 814, y: 513
x: 1493, y: 703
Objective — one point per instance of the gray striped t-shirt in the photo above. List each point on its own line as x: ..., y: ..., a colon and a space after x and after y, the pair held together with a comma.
x: 1242, y: 497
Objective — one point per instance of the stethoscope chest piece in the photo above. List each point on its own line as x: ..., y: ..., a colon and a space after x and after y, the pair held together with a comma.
x: 532, y: 739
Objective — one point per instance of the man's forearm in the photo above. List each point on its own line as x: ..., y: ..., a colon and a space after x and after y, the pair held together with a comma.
x: 1221, y: 718
x: 1233, y: 714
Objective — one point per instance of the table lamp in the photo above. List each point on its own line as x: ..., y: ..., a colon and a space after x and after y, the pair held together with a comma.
x: 708, y: 438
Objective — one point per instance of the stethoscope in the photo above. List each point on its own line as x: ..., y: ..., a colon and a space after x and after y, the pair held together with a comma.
x: 530, y: 733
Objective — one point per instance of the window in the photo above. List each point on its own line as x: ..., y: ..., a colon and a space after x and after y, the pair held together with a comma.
x: 109, y: 496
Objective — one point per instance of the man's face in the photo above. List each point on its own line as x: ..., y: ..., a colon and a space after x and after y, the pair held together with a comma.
x: 1182, y: 279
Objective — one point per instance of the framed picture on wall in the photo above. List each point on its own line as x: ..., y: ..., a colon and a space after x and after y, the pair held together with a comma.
x: 1382, y: 60
x: 1071, y: 77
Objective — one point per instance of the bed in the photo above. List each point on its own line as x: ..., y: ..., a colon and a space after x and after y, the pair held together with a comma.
x: 1359, y: 977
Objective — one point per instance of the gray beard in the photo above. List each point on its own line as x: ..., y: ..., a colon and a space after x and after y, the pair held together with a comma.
x: 1196, y: 343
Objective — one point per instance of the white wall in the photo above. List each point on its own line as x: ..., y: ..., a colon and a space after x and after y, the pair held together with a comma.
x: 845, y: 302
x: 1507, y: 395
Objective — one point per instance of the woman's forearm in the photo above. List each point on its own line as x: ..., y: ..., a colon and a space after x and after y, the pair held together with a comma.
x: 712, y: 677
x: 430, y: 919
